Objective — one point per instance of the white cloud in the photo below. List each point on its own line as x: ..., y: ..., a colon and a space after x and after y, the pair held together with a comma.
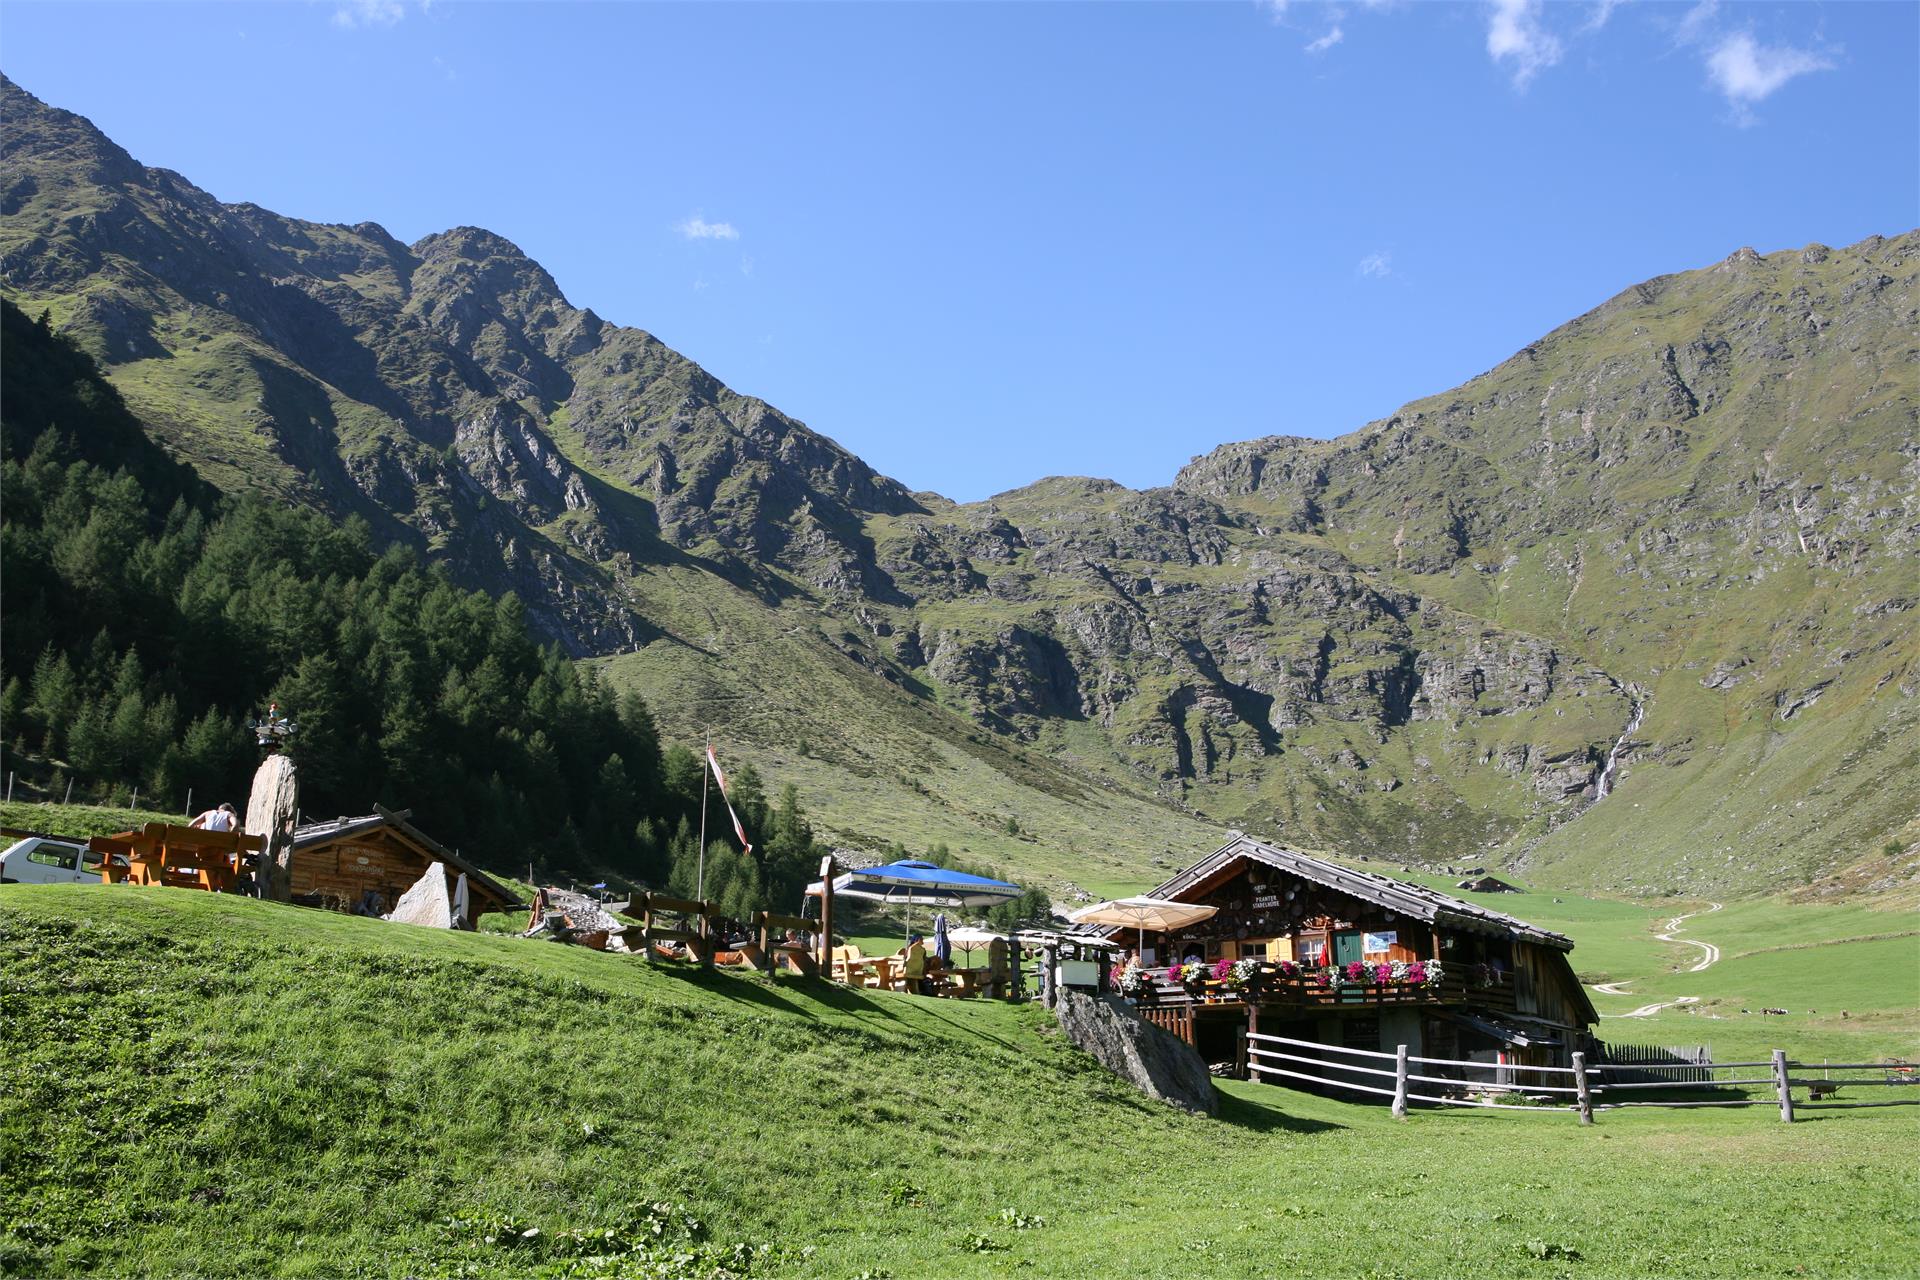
x: 1514, y: 32
x: 746, y: 265
x: 1327, y: 41
x: 1694, y: 27
x: 1747, y: 71
x: 368, y: 13
x: 698, y: 228
x: 1276, y: 9
x: 1598, y: 18
x: 1377, y: 265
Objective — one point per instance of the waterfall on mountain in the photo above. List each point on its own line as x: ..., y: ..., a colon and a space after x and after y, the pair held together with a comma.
x: 1603, y: 786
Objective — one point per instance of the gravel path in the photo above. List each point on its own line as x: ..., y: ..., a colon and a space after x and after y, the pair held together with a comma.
x: 1709, y: 955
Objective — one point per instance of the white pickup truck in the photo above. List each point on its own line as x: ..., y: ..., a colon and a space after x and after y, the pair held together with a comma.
x: 41, y: 860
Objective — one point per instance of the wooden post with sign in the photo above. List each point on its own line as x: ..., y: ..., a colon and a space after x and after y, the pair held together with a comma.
x: 827, y: 872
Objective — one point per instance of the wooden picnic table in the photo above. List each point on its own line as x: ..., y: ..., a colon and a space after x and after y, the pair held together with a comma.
x: 881, y: 968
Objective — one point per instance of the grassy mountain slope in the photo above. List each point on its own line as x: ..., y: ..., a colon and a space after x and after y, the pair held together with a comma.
x: 1708, y: 485
x: 222, y: 1087
x: 1686, y: 512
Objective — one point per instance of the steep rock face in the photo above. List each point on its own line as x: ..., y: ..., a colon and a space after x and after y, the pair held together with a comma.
x: 429, y: 386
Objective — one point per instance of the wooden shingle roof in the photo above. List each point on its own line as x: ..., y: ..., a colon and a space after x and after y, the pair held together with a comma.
x: 314, y: 834
x: 1415, y: 901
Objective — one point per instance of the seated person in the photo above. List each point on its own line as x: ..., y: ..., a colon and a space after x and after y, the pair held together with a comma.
x: 914, y: 968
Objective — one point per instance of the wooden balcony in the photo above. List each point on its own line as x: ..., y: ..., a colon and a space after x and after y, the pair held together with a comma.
x: 1494, y: 993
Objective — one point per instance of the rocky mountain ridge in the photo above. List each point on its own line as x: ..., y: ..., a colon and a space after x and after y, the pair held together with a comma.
x: 1438, y: 635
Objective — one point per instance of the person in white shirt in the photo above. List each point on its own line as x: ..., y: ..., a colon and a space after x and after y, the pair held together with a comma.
x: 221, y: 819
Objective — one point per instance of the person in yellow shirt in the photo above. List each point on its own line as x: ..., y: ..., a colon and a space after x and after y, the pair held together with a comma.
x: 914, y: 970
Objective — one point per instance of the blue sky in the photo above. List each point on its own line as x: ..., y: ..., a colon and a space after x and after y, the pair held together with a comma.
x: 981, y: 244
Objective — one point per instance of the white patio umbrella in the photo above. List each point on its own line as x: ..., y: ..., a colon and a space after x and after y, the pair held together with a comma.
x: 1157, y: 915
x: 970, y: 938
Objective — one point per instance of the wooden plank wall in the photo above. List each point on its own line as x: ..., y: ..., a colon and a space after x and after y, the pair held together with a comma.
x: 1541, y: 985
x: 340, y: 871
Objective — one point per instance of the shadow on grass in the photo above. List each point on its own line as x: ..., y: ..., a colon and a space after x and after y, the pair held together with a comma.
x: 1263, y: 1117
x: 931, y: 1010
x: 749, y: 987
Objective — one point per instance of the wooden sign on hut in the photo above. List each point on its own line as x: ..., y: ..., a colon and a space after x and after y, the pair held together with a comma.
x: 364, y: 865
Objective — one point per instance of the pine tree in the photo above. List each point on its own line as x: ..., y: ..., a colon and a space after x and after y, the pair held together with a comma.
x: 56, y: 697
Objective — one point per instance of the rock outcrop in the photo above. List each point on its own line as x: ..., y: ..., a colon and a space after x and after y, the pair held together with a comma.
x: 1157, y: 1063
x: 427, y: 902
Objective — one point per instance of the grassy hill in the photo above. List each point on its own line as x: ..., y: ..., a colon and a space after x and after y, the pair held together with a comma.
x: 222, y: 1087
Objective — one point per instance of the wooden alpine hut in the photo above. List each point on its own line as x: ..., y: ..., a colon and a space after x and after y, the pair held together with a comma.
x: 1353, y: 959
x: 363, y: 865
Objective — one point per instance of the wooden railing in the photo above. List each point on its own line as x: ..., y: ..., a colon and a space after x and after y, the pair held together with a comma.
x: 697, y: 940
x: 1365, y: 1071
x: 1304, y: 991
x: 800, y: 957
x: 1176, y: 1018
x: 694, y: 931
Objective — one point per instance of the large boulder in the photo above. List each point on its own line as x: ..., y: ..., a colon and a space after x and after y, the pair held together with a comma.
x: 1157, y: 1063
x: 427, y: 902
x: 271, y: 810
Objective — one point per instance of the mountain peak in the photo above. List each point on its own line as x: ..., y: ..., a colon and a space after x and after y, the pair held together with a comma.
x: 57, y: 143
x: 476, y: 243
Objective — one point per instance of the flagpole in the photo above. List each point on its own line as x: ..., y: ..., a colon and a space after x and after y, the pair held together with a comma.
x: 706, y: 772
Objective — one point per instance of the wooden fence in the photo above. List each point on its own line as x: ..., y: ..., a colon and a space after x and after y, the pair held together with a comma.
x: 1670, y: 1064
x: 1583, y: 1089
x: 667, y: 919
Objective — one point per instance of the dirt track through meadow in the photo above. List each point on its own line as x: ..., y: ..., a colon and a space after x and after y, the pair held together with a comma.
x: 1709, y: 956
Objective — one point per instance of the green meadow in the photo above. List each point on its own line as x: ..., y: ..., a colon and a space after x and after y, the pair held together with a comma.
x: 214, y: 1086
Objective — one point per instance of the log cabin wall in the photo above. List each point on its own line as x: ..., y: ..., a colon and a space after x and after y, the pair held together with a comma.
x: 1272, y: 914
x: 1542, y: 978
x: 339, y: 872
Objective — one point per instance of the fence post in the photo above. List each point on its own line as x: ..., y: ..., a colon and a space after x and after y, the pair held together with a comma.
x: 646, y: 929
x: 706, y: 936
x: 1580, y: 1084
x: 1400, y: 1082
x: 1780, y: 1082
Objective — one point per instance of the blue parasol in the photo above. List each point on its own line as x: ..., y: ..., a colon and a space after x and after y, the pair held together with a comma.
x: 912, y: 883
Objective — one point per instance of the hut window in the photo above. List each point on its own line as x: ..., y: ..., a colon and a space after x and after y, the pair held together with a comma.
x: 1361, y: 1033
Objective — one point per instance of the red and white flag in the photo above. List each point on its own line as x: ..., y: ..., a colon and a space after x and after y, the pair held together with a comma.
x: 714, y: 762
